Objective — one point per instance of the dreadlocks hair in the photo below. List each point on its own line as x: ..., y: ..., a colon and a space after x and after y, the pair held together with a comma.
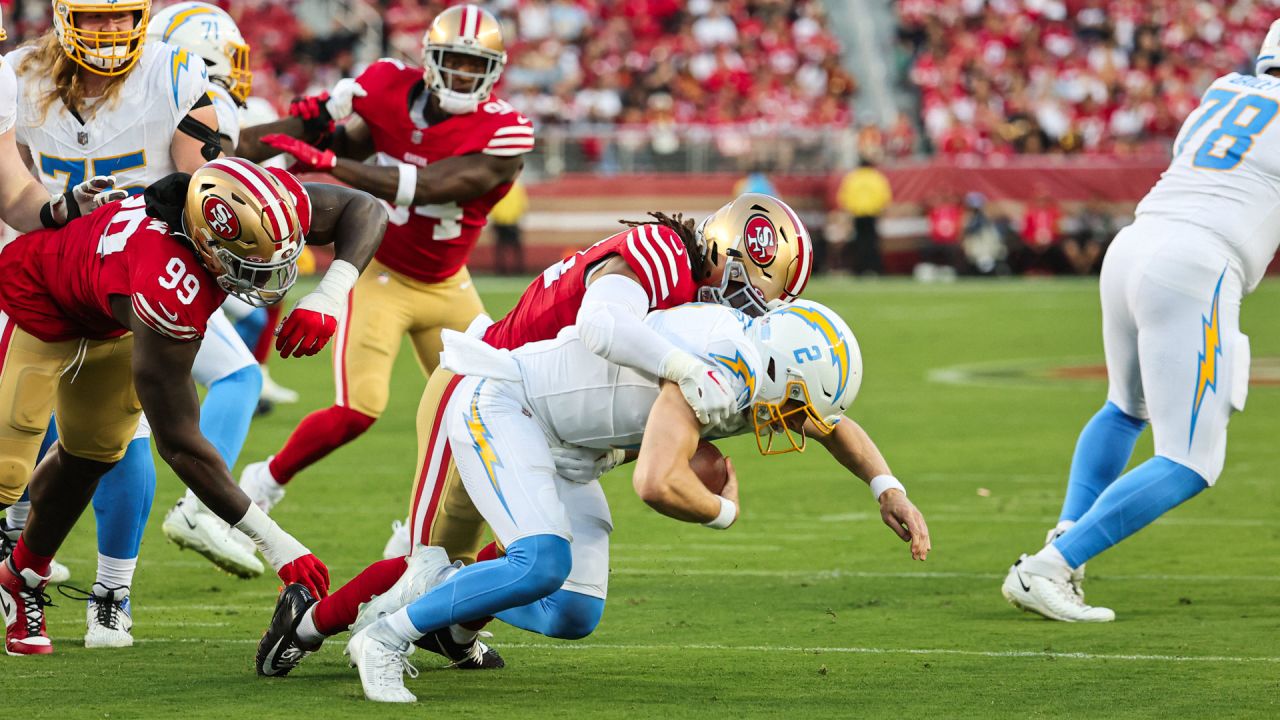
x: 686, y: 230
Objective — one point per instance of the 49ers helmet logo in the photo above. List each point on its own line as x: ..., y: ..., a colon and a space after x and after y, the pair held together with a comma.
x: 761, y: 240
x: 221, y: 218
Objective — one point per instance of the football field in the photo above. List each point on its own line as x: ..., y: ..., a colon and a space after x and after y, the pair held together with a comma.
x: 808, y: 606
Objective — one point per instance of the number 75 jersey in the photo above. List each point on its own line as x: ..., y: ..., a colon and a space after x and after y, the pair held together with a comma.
x: 58, y: 284
x: 1225, y: 172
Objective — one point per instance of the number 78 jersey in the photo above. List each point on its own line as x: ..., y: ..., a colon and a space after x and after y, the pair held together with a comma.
x: 1225, y: 172
x: 59, y: 283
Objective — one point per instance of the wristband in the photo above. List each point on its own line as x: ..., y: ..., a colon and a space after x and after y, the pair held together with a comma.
x: 881, y: 483
x: 277, y: 546
x: 728, y: 513
x: 46, y: 216
x: 407, y: 186
x: 338, y: 280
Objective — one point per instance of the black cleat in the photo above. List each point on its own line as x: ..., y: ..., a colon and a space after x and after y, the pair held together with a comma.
x: 474, y: 655
x: 280, y: 651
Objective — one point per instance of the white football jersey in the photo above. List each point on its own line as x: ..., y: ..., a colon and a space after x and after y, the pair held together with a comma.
x: 228, y: 112
x: 1225, y: 174
x: 8, y: 97
x: 130, y: 140
x: 583, y: 399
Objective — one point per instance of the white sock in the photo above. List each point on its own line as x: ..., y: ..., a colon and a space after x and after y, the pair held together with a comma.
x: 307, y: 631
x: 401, y: 627
x: 463, y: 636
x: 1049, y: 553
x: 16, y: 515
x: 116, y: 572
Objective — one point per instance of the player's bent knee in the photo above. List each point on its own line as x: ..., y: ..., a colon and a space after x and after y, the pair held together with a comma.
x: 544, y: 562
x: 246, y: 380
x: 576, y: 615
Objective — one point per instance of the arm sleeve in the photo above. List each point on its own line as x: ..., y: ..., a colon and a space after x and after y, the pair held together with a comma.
x: 611, y: 324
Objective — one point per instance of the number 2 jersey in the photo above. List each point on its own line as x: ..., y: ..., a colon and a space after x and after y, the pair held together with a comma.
x: 430, y: 243
x: 1225, y: 173
x: 654, y: 253
x: 130, y: 139
x: 58, y: 284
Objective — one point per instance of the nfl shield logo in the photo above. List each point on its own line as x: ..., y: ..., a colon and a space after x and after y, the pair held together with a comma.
x: 82, y: 137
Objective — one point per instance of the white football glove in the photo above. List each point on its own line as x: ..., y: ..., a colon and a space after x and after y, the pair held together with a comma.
x: 582, y: 465
x: 703, y: 386
x: 342, y: 97
x: 88, y: 196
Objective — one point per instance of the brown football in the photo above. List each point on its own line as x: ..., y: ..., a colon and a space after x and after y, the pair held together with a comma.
x: 708, y: 464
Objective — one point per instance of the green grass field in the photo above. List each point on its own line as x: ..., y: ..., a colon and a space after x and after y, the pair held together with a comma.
x: 808, y: 606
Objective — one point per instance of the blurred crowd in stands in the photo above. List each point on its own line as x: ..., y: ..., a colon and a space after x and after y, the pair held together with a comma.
x: 1069, y: 76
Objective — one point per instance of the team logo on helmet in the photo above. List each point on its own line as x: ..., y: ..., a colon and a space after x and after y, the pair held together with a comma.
x: 221, y: 218
x: 761, y: 239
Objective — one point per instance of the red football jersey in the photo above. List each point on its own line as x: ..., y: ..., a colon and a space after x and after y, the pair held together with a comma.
x: 58, y: 283
x: 430, y: 243
x: 551, y: 302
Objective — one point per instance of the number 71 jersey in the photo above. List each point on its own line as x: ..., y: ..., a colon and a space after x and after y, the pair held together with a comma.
x: 1225, y: 172
x: 58, y: 284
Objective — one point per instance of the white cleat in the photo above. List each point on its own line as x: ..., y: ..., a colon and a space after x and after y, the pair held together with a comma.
x: 1077, y: 574
x: 262, y: 489
x: 382, y: 662
x: 274, y: 392
x: 189, y: 525
x: 398, y: 544
x: 426, y: 568
x: 109, y: 620
x: 58, y: 573
x: 1044, y: 588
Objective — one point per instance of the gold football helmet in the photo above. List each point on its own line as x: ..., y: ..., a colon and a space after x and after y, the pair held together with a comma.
x: 244, y: 224
x: 102, y: 52
x: 758, y: 254
x: 208, y: 31
x: 461, y: 32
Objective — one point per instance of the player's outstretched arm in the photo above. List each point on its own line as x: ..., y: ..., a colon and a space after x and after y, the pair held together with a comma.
x: 663, y: 478
x: 26, y: 206
x: 853, y: 448
x: 352, y: 140
x: 354, y: 223
x: 162, y: 376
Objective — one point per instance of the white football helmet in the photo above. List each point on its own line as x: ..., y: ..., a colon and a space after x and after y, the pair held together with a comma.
x: 463, y: 30
x: 812, y: 371
x: 102, y: 52
x: 1269, y: 53
x: 208, y: 31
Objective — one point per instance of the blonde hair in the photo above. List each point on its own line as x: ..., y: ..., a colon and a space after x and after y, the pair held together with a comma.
x: 49, y: 60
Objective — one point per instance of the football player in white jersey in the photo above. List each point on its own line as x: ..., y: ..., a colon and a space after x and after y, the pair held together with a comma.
x: 96, y: 97
x: 510, y: 418
x: 1171, y: 287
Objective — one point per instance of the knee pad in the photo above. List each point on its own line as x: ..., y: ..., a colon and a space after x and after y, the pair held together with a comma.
x: 575, y: 615
x: 544, y: 562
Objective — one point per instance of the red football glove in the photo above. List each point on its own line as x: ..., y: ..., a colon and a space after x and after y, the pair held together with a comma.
x: 309, y: 571
x: 307, y: 329
x: 309, y: 157
x: 313, y: 112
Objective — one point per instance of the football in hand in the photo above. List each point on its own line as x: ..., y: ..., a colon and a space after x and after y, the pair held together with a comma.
x: 709, y: 465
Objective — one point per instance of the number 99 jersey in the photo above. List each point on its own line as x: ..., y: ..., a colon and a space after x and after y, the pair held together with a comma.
x: 1225, y: 173
x: 431, y: 243
x: 59, y: 283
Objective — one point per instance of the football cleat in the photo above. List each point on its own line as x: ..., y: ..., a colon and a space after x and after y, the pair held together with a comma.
x: 58, y: 573
x: 262, y: 489
x: 382, y: 662
x: 189, y: 525
x: 1077, y: 574
x: 22, y: 601
x: 425, y: 570
x: 398, y: 544
x: 108, y: 617
x: 474, y: 655
x: 1044, y: 588
x: 280, y: 650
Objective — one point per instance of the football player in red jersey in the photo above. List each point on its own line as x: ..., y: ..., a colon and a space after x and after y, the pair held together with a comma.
x: 750, y: 254
x: 448, y: 150
x: 103, y: 319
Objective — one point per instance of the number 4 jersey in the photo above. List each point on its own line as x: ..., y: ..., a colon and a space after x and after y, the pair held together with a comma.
x: 58, y: 284
x: 1225, y: 173
x: 431, y: 243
